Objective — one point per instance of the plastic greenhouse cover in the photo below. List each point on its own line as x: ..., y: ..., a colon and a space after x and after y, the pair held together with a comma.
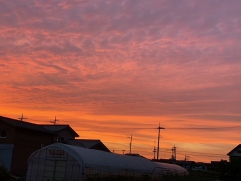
x: 112, y: 162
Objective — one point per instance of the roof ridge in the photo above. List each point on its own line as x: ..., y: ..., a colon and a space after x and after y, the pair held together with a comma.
x: 54, y: 124
x: 24, y: 124
x: 12, y: 119
x: 234, y: 149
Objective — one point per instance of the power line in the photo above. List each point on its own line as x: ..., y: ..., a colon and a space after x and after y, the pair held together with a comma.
x: 205, y: 128
x: 169, y: 128
x: 194, y: 152
x: 203, y: 153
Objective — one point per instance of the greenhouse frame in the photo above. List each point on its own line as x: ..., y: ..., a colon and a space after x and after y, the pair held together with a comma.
x: 65, y: 162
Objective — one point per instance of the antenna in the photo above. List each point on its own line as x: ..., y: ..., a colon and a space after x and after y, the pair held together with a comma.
x: 54, y: 121
x: 158, y: 143
x: 21, y: 119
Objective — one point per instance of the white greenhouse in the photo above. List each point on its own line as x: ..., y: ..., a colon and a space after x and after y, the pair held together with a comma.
x: 65, y: 162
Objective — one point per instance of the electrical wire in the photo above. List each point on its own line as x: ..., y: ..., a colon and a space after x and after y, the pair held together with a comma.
x: 163, y: 150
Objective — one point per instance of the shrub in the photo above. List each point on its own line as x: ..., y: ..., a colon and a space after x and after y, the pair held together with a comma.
x: 4, y: 174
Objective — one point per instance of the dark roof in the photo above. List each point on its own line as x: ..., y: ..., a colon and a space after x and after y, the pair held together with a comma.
x: 87, y: 143
x: 234, y: 149
x: 76, y: 143
x: 184, y: 162
x: 59, y: 127
x: 55, y: 128
x: 25, y: 125
x: 134, y: 154
x: 174, y: 161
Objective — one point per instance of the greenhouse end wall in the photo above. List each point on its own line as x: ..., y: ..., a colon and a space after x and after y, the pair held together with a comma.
x: 53, y: 164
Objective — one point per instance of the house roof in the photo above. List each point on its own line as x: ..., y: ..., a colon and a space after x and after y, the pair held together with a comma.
x: 76, y: 143
x: 176, y: 161
x: 87, y: 143
x: 90, y: 143
x: 59, y: 127
x: 239, y: 146
x: 25, y: 125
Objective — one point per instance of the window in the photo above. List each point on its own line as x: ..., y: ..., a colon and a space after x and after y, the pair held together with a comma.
x: 238, y: 151
x: 3, y: 134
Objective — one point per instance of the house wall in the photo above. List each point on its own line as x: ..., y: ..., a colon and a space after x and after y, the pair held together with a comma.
x: 25, y: 143
x: 6, y: 151
x: 6, y: 145
x: 10, y: 133
x: 235, y: 158
x: 236, y: 152
x: 66, y: 134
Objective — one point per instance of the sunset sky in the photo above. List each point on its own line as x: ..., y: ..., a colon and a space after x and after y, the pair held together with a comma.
x: 112, y: 68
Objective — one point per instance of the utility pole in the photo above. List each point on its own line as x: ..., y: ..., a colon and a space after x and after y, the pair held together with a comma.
x: 174, y: 153
x: 130, y: 142
x: 154, y: 151
x: 21, y: 119
x: 158, y: 143
x: 54, y: 121
x: 186, y: 157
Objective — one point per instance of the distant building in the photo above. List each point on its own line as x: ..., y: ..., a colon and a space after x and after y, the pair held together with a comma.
x: 87, y: 143
x: 215, y: 165
x: 235, y: 154
x: 189, y: 165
